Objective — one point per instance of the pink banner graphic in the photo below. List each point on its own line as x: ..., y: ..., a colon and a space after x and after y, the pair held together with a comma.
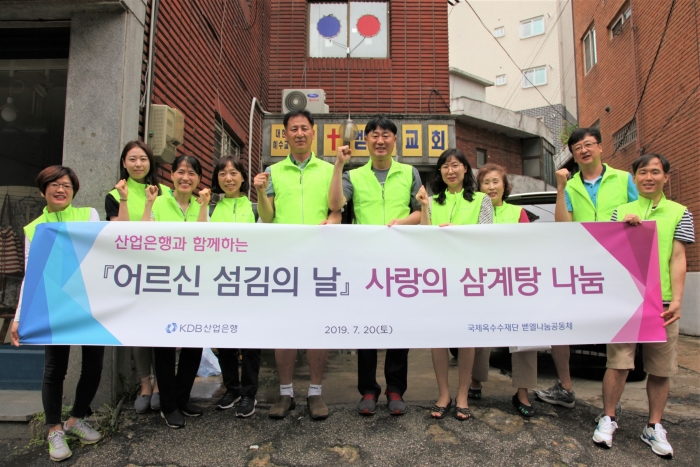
x: 628, y: 246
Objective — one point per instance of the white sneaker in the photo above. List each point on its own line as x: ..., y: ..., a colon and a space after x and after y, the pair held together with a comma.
x: 58, y: 448
x: 656, y: 438
x: 603, y: 433
x: 82, y: 431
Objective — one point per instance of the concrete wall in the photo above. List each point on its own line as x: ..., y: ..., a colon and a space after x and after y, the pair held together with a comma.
x: 463, y: 87
x: 102, y: 114
x: 474, y: 49
x: 690, y: 310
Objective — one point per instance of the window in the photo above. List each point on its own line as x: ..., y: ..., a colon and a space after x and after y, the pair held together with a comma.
x: 618, y: 25
x: 499, y: 32
x: 224, y: 144
x: 480, y: 157
x: 500, y: 80
x: 535, y: 77
x: 625, y: 135
x: 532, y: 27
x: 360, y: 26
x: 590, y: 57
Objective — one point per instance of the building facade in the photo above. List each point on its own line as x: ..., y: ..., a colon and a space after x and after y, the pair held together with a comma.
x: 538, y: 35
x: 638, y: 77
x: 82, y: 77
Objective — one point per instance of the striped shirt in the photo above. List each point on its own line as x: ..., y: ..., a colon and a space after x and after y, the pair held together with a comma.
x: 685, y: 230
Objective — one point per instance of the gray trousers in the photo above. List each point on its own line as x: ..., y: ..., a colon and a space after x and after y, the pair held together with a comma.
x: 143, y: 361
x: 524, y: 367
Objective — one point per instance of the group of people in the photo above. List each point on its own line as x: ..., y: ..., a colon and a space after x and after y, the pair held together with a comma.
x: 304, y: 189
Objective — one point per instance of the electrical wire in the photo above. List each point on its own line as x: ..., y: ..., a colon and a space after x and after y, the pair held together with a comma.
x: 646, y: 81
x: 520, y: 69
x: 663, y: 128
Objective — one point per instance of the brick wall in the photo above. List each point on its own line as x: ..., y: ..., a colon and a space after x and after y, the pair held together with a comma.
x: 500, y: 149
x: 551, y: 117
x: 667, y: 117
x: 418, y: 62
x: 191, y: 35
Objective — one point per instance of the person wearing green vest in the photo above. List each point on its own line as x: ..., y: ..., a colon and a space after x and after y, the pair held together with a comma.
x: 383, y: 192
x: 58, y: 185
x: 178, y: 205
x: 675, y: 229
x: 126, y: 202
x: 454, y: 203
x: 231, y: 180
x: 589, y: 196
x: 299, y: 195
x: 493, y: 180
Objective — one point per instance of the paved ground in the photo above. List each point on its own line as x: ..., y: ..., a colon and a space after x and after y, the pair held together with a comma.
x: 495, y: 436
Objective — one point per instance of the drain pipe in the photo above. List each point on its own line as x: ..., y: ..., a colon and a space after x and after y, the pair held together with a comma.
x: 250, y: 140
x: 149, y: 69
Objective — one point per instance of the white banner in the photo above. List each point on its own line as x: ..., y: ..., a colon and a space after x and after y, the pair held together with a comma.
x: 340, y: 286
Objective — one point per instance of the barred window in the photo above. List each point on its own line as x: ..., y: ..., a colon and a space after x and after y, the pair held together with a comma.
x: 224, y: 144
x: 625, y: 135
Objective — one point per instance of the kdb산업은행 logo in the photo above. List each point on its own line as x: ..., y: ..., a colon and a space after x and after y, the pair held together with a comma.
x: 170, y: 328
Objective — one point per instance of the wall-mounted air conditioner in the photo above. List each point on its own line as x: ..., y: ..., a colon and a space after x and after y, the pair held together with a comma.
x: 313, y: 100
x: 167, y: 131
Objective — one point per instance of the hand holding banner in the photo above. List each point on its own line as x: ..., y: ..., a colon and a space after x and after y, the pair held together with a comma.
x: 289, y: 286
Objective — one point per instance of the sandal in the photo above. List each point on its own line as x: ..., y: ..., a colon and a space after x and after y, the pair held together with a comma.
x: 441, y: 410
x: 524, y: 410
x: 474, y: 393
x: 464, y: 412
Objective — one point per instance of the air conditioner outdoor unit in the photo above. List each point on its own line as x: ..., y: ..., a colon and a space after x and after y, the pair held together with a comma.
x: 313, y: 100
x: 166, y: 132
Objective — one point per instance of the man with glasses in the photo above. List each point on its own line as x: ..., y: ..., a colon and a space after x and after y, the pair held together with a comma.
x: 383, y: 192
x: 591, y: 195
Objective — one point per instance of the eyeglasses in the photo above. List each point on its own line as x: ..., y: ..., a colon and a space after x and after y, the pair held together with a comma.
x: 454, y: 167
x: 586, y: 145
x: 65, y: 186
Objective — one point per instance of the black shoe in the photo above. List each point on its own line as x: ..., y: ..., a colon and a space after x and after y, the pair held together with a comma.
x: 191, y: 410
x: 228, y: 401
x: 173, y: 419
x: 246, y: 407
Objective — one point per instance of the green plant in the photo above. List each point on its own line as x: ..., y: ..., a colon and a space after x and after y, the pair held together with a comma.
x: 566, y: 132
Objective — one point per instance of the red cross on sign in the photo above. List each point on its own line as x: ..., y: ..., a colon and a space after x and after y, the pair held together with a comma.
x: 333, y: 136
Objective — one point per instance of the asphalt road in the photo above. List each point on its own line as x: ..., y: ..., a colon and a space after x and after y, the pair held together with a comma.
x: 495, y: 436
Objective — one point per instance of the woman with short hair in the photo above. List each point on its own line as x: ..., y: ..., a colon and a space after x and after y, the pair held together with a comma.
x: 58, y: 186
x: 493, y: 180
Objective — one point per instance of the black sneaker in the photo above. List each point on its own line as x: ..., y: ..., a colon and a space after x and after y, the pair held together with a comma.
x: 228, y: 401
x: 191, y: 410
x: 173, y: 419
x: 246, y: 407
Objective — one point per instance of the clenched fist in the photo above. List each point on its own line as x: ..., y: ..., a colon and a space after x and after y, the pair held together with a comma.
x: 422, y: 196
x: 204, y: 197
x: 343, y: 155
x: 261, y: 181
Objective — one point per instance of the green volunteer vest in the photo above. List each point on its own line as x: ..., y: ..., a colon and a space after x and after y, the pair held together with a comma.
x: 376, y: 204
x: 70, y: 214
x: 667, y: 216
x: 136, y: 198
x: 456, y: 209
x: 507, y: 214
x: 612, y: 193
x: 301, y: 196
x: 166, y: 209
x: 233, y: 210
